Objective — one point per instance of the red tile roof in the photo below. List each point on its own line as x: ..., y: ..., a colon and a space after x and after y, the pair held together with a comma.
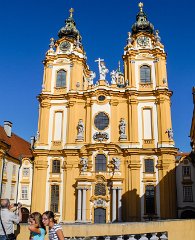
x: 18, y: 146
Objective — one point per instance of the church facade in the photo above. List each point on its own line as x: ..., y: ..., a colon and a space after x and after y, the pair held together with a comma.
x: 104, y: 151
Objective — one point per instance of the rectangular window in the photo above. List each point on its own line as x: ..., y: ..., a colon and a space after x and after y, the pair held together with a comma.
x: 56, y: 166
x: 147, y: 124
x: 186, y: 171
x: 24, y: 194
x: 26, y: 172
x: 150, y: 200
x: 54, y: 198
x: 100, y: 163
x: 187, y: 194
x: 149, y: 165
x: 58, y: 126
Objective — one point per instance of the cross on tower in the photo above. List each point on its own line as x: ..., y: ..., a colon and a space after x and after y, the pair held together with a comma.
x: 71, y: 12
x: 99, y: 60
x: 141, y: 6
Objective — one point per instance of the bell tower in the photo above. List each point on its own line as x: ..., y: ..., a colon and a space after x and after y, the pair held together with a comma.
x: 149, y: 107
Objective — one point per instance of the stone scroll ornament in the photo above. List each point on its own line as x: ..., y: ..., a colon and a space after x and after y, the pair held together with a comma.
x: 122, y: 129
x: 80, y: 130
x: 84, y: 164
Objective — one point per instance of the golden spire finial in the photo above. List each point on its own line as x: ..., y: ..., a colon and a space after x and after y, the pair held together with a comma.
x: 71, y: 12
x: 141, y: 6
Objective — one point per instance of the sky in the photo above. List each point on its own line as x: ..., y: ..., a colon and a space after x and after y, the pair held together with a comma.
x: 27, y: 26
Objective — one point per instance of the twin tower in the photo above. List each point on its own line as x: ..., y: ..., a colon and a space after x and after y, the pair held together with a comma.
x: 104, y: 151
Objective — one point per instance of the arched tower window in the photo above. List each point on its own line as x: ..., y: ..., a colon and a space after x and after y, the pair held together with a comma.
x: 145, y: 74
x: 100, y: 163
x: 61, y: 78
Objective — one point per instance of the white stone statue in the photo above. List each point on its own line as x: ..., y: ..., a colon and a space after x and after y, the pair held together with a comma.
x: 37, y: 136
x: 84, y: 163
x: 116, y: 162
x: 113, y: 75
x: 129, y: 39
x: 80, y: 130
x: 157, y: 36
x: 102, y: 68
x: 170, y: 133
x: 92, y: 76
x: 122, y: 129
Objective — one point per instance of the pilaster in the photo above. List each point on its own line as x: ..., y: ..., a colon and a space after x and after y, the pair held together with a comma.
x: 39, y: 184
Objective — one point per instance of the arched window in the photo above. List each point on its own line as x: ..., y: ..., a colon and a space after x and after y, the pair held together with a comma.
x: 100, y: 215
x: 145, y: 74
x: 61, y: 79
x: 56, y: 166
x: 100, y: 163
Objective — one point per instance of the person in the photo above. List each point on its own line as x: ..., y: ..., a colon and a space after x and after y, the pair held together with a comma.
x: 55, y: 230
x: 36, y: 227
x: 8, y: 218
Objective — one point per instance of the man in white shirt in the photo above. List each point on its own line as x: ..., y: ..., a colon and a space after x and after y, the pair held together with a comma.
x: 8, y: 218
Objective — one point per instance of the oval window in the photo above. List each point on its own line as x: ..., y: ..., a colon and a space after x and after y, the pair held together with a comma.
x: 101, y: 121
x: 101, y: 98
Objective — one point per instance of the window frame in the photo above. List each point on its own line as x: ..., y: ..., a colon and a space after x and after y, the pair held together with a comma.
x: 56, y: 168
x: 95, y: 121
x: 54, y: 205
x: 146, y: 167
x: 24, y: 195
x: 187, y: 197
x: 98, y: 164
x: 145, y: 80
x: 184, y: 171
x: 61, y: 83
x: 27, y: 174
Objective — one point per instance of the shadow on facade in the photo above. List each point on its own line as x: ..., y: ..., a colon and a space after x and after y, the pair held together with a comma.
x: 157, y: 201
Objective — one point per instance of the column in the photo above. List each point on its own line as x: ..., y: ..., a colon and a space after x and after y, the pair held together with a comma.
x: 79, y: 205
x: 119, y: 205
x: 84, y: 205
x: 113, y: 204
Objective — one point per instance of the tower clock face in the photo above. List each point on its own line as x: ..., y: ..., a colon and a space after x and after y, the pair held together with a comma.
x: 143, y: 41
x: 64, y: 46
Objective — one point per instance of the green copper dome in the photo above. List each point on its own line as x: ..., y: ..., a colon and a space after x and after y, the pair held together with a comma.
x: 69, y: 30
x: 142, y: 24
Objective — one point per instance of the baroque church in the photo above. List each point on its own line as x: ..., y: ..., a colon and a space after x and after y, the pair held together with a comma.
x: 104, y: 151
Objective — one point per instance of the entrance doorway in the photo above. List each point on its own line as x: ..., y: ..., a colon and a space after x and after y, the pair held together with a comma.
x: 100, y: 215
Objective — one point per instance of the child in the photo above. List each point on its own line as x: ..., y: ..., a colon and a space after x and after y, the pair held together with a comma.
x: 36, y: 227
x: 55, y: 230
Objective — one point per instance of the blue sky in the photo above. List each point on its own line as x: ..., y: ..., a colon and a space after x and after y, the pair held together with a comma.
x: 27, y: 26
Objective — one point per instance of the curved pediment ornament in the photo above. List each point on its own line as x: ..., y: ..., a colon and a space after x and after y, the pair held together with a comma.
x: 100, y: 203
x: 100, y: 136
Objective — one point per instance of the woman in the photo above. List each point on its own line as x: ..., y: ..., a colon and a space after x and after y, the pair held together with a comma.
x: 55, y: 230
x: 36, y: 227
